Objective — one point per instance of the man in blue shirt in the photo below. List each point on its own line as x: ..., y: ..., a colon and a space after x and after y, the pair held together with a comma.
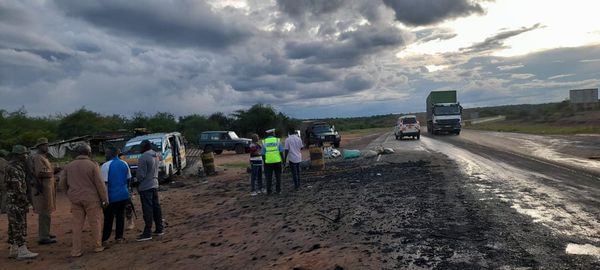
x: 116, y: 174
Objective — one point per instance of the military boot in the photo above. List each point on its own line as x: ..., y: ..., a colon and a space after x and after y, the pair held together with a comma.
x: 14, y: 251
x: 24, y: 253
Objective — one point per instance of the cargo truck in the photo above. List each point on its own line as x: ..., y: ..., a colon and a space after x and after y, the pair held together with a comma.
x: 443, y: 113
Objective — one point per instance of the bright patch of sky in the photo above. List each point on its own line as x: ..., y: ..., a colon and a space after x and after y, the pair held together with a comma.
x: 564, y: 24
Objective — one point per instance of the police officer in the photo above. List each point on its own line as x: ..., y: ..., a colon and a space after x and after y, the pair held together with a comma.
x: 272, y: 153
x: 3, y: 166
x: 17, y: 204
x: 44, y: 191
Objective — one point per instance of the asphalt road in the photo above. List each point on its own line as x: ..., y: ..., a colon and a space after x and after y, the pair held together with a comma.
x: 533, y: 176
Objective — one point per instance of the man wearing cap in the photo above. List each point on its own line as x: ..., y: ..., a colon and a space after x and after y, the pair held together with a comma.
x: 3, y: 166
x: 272, y: 154
x: 17, y: 204
x: 44, y: 191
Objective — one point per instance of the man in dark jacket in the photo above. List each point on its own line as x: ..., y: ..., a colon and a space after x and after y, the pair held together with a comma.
x: 147, y: 175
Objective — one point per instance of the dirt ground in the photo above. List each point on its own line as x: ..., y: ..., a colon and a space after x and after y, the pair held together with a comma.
x: 410, y: 210
x: 206, y: 194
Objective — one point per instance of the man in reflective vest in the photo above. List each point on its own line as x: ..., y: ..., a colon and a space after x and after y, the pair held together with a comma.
x: 272, y: 154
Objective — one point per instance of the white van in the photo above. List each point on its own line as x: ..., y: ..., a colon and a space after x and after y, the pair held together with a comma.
x: 407, y: 126
x: 170, y: 148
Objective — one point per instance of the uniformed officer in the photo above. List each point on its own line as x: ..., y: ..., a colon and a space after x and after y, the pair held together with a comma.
x: 44, y: 191
x: 272, y: 153
x: 17, y: 204
x: 3, y: 166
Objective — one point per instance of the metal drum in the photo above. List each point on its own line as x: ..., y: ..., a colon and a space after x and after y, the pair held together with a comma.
x: 316, y: 158
x: 208, y: 162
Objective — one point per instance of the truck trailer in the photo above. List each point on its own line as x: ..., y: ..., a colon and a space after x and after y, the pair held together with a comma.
x: 443, y: 113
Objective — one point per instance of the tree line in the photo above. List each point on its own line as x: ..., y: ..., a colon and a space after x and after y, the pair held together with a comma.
x: 18, y: 127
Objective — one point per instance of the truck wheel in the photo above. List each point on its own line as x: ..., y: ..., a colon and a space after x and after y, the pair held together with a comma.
x: 239, y: 149
x: 457, y: 133
x: 218, y: 152
x: 208, y: 149
x: 336, y: 145
x: 419, y: 136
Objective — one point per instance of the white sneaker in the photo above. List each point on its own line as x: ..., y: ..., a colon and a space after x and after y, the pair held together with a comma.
x: 253, y: 193
x: 14, y: 251
x: 130, y: 224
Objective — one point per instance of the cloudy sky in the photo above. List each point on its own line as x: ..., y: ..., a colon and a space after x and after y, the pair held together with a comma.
x: 307, y: 58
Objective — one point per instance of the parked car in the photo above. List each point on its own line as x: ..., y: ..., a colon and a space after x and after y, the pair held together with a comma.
x: 407, y: 126
x: 321, y: 132
x: 218, y: 141
x: 170, y: 148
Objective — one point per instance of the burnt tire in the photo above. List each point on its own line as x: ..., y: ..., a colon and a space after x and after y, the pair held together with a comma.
x: 239, y: 149
x: 218, y: 152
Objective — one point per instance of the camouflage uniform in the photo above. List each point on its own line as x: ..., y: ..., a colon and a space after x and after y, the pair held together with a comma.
x: 3, y: 166
x: 17, y: 203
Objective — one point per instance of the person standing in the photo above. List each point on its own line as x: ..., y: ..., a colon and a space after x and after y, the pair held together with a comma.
x: 272, y: 155
x: 256, y: 164
x: 44, y: 191
x: 17, y: 204
x: 116, y: 174
x: 129, y: 211
x: 85, y: 188
x: 3, y: 167
x: 147, y: 174
x: 293, y: 154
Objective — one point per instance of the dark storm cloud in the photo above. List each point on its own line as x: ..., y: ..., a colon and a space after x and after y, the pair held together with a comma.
x: 178, y: 23
x: 357, y: 82
x: 348, y: 49
x: 497, y: 41
x: 426, y: 12
x: 297, y: 8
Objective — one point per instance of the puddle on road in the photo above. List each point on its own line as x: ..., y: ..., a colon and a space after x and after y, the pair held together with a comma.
x: 548, y: 151
x: 522, y: 191
x: 587, y: 249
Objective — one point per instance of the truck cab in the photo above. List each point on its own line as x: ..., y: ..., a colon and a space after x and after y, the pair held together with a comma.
x: 443, y: 113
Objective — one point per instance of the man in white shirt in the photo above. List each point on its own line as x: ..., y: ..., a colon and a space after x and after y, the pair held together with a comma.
x: 293, y: 154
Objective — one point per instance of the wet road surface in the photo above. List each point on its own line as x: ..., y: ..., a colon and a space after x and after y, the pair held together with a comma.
x: 531, y: 175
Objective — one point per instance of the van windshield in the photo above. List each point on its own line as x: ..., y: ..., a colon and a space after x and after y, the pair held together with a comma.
x: 133, y: 148
x: 322, y: 129
x: 409, y: 120
x: 447, y: 110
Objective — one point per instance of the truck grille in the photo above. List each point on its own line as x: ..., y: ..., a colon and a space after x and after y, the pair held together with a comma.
x: 447, y: 121
x: 330, y: 138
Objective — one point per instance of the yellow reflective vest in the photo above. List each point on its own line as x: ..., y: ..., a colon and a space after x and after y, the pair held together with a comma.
x: 272, y: 155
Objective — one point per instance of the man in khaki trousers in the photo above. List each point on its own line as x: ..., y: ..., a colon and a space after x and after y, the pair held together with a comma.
x: 44, y: 191
x: 85, y: 189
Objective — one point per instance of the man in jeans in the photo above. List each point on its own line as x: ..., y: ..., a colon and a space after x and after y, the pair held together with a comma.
x: 256, y: 163
x: 116, y: 174
x: 147, y: 175
x: 272, y: 154
x: 293, y: 154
